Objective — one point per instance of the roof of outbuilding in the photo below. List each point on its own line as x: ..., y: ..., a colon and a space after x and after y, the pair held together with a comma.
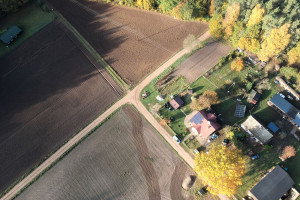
x: 273, y: 127
x: 176, y: 102
x: 9, y: 35
x: 273, y: 186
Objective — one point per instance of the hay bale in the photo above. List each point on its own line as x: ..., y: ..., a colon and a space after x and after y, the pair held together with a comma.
x: 188, y: 182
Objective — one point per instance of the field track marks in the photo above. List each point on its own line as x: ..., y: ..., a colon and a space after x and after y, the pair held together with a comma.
x: 123, y: 26
x: 143, y: 153
x: 177, y: 178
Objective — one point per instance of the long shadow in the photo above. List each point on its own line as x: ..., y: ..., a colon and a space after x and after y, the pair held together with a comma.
x: 49, y: 91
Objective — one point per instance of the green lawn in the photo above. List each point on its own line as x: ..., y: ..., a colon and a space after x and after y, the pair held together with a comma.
x: 268, y: 159
x: 30, y: 19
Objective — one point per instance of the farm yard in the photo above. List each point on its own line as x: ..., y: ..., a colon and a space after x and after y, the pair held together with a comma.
x: 123, y: 159
x: 132, y: 41
x: 49, y: 91
x: 30, y: 19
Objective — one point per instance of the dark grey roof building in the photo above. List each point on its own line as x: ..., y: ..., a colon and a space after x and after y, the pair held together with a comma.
x: 273, y: 186
x: 286, y: 108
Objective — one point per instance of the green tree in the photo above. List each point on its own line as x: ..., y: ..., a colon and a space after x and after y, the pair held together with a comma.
x: 187, y: 11
x: 167, y: 5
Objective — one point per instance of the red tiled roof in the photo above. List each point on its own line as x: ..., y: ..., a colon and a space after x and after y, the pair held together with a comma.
x: 208, y: 124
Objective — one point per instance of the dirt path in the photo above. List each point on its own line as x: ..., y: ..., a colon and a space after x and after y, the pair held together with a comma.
x: 131, y: 97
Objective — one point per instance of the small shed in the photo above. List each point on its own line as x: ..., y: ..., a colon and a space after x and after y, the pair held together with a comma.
x: 254, y: 97
x: 240, y: 111
x: 273, y: 127
x: 176, y: 102
x: 8, y: 36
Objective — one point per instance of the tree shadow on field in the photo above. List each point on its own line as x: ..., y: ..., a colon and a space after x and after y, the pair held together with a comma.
x: 50, y: 90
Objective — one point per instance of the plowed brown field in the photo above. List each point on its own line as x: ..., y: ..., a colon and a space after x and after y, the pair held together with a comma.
x: 123, y: 159
x: 134, y: 42
x: 49, y: 91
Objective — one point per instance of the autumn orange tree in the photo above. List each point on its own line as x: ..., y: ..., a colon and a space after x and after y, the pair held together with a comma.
x: 288, y: 152
x: 204, y: 101
x: 221, y: 169
x: 237, y: 65
x: 275, y: 42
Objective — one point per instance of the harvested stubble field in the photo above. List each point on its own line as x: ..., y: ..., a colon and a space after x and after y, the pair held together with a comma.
x: 134, y: 42
x: 49, y: 91
x: 201, y: 61
x: 123, y: 159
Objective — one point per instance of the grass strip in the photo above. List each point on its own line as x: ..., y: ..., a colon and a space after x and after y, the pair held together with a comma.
x: 93, y: 52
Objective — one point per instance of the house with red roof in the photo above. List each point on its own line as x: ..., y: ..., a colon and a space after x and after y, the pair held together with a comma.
x: 204, y: 123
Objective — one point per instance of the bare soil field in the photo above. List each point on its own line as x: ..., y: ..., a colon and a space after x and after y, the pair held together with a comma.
x: 49, y: 91
x: 134, y: 42
x: 123, y: 159
x: 201, y: 61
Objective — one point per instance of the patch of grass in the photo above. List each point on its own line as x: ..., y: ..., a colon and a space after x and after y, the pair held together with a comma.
x: 175, y: 86
x: 192, y: 144
x: 30, y: 19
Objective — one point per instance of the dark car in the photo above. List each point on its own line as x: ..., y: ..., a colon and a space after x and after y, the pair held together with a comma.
x: 202, y: 191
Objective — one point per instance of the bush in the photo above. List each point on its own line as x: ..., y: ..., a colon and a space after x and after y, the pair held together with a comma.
x: 249, y: 86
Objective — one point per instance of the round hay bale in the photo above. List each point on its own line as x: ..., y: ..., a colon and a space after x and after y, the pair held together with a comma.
x: 188, y: 182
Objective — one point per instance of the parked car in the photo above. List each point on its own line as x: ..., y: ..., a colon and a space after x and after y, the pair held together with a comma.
x: 176, y: 139
x: 226, y: 142
x: 213, y: 137
x: 202, y: 191
x: 255, y: 157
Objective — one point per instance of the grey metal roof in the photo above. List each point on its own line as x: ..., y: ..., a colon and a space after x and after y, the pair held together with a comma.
x: 273, y: 186
x: 284, y: 105
x: 252, y: 126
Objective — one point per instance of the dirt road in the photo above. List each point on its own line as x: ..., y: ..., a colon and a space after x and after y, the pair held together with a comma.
x: 132, y: 97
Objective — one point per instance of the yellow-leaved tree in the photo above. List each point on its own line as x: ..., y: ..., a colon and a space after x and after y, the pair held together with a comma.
x: 294, y: 55
x: 276, y: 41
x: 212, y: 8
x: 251, y: 44
x: 256, y: 16
x: 221, y: 169
x: 215, y: 26
x: 231, y: 16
